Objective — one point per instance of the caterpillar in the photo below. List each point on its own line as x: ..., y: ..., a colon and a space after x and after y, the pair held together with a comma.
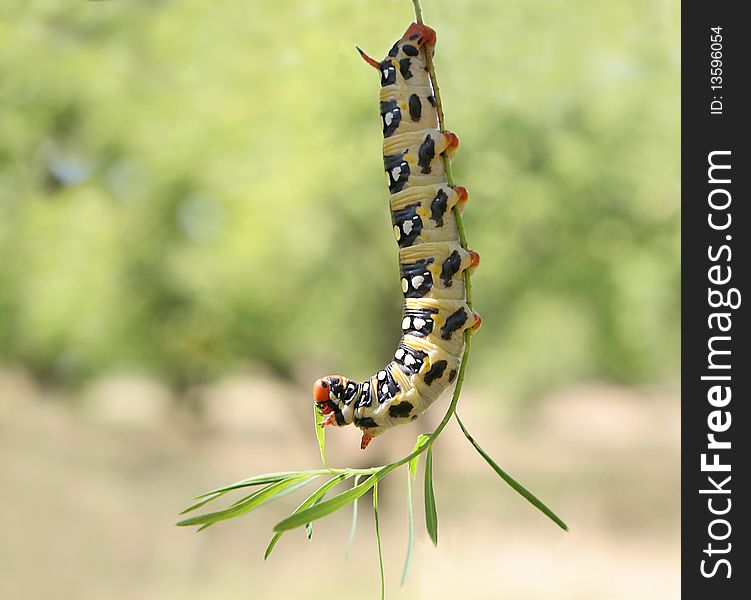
x: 431, y: 258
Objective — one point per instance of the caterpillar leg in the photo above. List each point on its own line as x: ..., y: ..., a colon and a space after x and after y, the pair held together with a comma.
x: 420, y: 34
x: 462, y: 196
x: 329, y: 420
x: 474, y: 260
x: 477, y: 322
x: 451, y: 141
x: 366, y: 439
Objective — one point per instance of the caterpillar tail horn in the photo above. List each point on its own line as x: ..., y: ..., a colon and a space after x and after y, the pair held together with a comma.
x: 371, y: 61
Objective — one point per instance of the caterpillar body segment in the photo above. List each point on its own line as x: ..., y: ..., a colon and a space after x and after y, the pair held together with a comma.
x: 431, y: 258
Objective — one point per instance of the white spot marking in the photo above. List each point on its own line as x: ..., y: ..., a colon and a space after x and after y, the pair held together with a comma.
x: 388, y: 118
x: 419, y: 323
x: 405, y: 285
x: 386, y: 73
x: 397, y: 233
x: 395, y: 172
x: 417, y: 281
x: 407, y: 227
x: 381, y: 375
x: 409, y: 360
x: 405, y: 323
x: 399, y: 353
x: 385, y: 389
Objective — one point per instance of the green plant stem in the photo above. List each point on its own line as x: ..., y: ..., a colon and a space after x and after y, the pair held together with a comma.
x: 446, y: 160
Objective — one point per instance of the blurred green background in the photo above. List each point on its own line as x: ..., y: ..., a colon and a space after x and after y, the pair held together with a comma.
x: 192, y: 192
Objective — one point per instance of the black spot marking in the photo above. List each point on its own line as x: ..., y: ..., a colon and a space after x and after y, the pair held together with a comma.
x: 453, y: 322
x: 398, y: 171
x: 422, y: 328
x: 340, y: 420
x: 388, y: 73
x: 450, y: 267
x: 410, y: 361
x: 415, y: 107
x: 436, y: 372
x: 417, y: 269
x: 431, y: 99
x: 409, y: 224
x: 390, y: 108
x: 404, y: 65
x: 387, y: 387
x: 413, y: 417
x: 366, y: 422
x: 410, y: 50
x: 426, y: 153
x: 438, y: 207
x: 394, y: 50
x: 401, y: 410
x: 413, y: 37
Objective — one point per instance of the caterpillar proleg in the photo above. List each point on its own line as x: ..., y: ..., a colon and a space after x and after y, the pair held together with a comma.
x: 431, y: 258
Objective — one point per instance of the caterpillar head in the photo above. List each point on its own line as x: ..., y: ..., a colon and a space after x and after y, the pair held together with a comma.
x: 322, y: 395
x: 327, y: 394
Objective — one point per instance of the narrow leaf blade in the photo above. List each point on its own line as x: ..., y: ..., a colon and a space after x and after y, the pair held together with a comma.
x: 320, y: 433
x: 329, y: 506
x: 353, y: 528
x: 251, y: 502
x: 431, y: 514
x: 421, y: 440
x: 205, y: 500
x: 515, y: 485
x: 378, y: 541
x: 264, y: 479
x: 410, y: 530
x: 309, y: 501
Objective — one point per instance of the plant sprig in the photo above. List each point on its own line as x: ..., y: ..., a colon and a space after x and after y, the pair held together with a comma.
x: 314, y: 507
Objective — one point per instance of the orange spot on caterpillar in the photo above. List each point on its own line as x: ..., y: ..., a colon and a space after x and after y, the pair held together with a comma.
x: 366, y: 439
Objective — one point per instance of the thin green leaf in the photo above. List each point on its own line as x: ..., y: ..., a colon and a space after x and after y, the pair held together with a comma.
x: 309, y: 501
x: 262, y: 480
x: 421, y: 440
x: 518, y: 487
x: 410, y: 528
x: 353, y: 528
x: 292, y: 488
x: 378, y: 541
x: 431, y: 515
x: 206, y: 500
x: 320, y: 433
x: 332, y: 504
x: 247, y: 504
x: 309, y: 526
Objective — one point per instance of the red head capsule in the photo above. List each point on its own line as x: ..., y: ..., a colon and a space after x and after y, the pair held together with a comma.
x: 321, y: 389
